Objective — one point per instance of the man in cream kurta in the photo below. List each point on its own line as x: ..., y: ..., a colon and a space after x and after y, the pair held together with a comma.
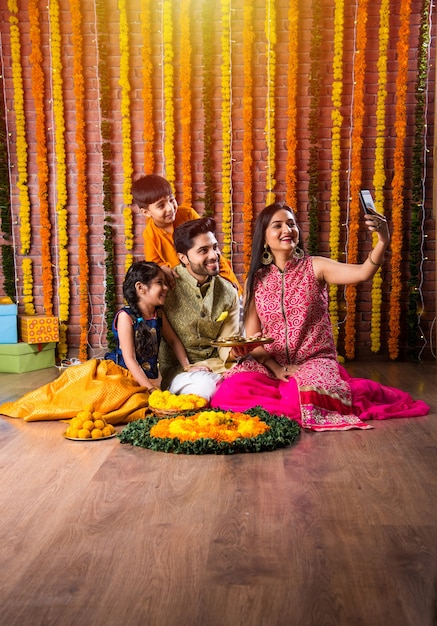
x: 202, y: 307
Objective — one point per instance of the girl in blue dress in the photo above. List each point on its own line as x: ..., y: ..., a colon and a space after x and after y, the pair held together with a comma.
x: 118, y: 386
x: 138, y: 327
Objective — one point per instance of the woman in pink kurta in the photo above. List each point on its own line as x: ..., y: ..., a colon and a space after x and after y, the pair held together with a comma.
x: 298, y: 375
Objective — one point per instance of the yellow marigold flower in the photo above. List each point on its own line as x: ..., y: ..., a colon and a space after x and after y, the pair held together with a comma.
x: 220, y: 426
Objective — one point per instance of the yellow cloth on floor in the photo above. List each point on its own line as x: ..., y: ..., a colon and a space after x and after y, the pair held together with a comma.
x: 109, y: 387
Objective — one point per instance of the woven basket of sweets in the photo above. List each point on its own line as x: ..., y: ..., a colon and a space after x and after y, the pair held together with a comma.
x: 166, y: 404
x: 172, y: 412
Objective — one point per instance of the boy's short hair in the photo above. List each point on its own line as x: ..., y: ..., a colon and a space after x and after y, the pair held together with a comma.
x: 149, y: 189
x: 185, y: 233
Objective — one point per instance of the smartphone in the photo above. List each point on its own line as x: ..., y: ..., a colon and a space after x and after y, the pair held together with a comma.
x: 367, y: 202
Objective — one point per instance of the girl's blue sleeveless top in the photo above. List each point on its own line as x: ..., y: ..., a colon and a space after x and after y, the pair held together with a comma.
x: 149, y: 365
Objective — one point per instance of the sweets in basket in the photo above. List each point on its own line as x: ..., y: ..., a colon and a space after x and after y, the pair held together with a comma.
x: 166, y: 404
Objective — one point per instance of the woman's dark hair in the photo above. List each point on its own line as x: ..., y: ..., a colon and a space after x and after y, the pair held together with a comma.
x: 149, y: 189
x: 141, y: 272
x: 258, y: 241
x: 184, y: 235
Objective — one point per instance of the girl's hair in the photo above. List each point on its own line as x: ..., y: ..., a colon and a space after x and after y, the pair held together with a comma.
x: 184, y: 234
x: 149, y: 189
x: 141, y: 272
x: 258, y: 241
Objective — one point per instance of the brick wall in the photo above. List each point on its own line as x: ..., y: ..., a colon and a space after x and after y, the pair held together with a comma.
x: 97, y: 329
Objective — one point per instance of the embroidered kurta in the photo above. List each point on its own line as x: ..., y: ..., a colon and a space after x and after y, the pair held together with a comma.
x: 199, y: 319
x: 293, y: 309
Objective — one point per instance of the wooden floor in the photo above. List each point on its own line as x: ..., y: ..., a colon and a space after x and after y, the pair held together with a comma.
x: 339, y: 529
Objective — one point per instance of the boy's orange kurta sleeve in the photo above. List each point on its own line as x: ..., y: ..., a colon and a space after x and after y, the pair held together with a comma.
x: 227, y: 272
x: 158, y: 244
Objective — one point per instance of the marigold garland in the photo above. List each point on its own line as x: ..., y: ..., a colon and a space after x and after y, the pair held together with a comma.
x: 147, y: 93
x: 399, y: 179
x: 379, y: 176
x: 21, y: 147
x: 126, y: 133
x: 293, y: 47
x: 29, y: 308
x: 20, y: 125
x: 207, y: 99
x: 81, y: 191
x: 226, y: 95
x: 337, y: 121
x: 186, y: 105
x: 107, y: 182
x: 37, y: 74
x: 356, y: 172
x: 270, y: 31
x: 379, y: 173
x: 248, y: 37
x: 7, y: 249
x: 61, y: 177
x: 167, y: 33
x: 212, y: 432
x: 417, y: 191
x: 313, y: 127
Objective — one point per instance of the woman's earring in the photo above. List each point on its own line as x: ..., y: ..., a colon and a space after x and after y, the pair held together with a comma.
x: 267, y: 256
x: 298, y: 253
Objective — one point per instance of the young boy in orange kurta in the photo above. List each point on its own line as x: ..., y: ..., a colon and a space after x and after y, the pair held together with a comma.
x: 154, y: 197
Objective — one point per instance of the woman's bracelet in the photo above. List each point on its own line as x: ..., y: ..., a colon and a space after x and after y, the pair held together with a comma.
x: 372, y: 261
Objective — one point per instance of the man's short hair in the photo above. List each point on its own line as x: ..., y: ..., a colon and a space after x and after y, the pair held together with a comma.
x: 185, y: 233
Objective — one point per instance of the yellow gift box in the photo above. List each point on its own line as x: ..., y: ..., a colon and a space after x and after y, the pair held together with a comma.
x: 38, y: 328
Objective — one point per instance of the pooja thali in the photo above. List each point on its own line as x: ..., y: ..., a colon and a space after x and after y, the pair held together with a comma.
x: 238, y: 340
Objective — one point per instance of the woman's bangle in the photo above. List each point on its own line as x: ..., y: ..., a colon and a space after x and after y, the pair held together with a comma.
x: 372, y: 261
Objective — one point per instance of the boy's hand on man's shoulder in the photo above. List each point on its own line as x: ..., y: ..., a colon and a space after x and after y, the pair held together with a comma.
x: 170, y: 276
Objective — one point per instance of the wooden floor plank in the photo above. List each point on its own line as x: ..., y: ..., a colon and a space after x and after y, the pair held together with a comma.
x: 340, y: 528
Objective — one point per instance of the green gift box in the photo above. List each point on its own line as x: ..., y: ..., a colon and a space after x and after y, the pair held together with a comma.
x: 22, y: 357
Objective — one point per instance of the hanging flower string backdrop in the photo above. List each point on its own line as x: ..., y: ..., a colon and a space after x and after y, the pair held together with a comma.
x: 337, y: 121
x: 126, y: 133
x: 356, y: 174
x: 195, y: 50
x: 270, y: 30
x: 81, y: 186
x: 147, y: 93
x: 186, y: 105
x: 293, y: 63
x: 398, y: 181
x: 59, y: 150
x: 248, y: 37
x: 22, y: 149
x: 379, y: 176
x: 38, y: 90
x: 226, y: 96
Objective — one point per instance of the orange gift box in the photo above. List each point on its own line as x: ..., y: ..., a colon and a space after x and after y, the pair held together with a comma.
x: 38, y: 328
